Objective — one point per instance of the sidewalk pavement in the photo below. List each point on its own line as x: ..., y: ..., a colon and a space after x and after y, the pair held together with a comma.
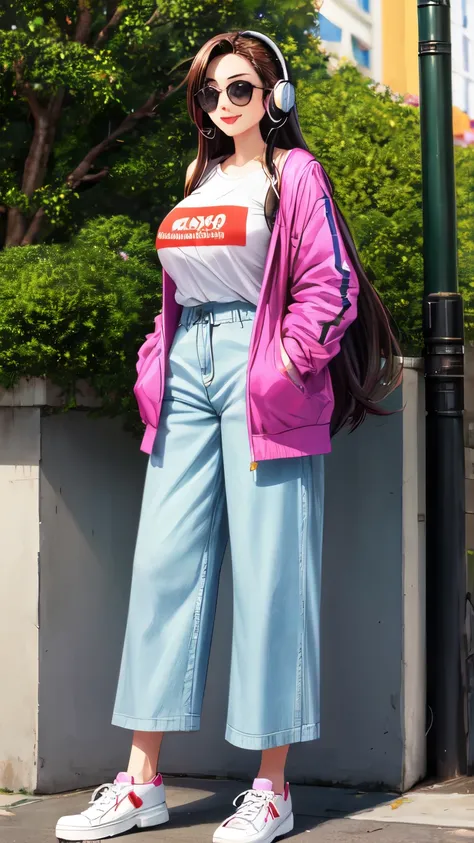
x: 331, y: 815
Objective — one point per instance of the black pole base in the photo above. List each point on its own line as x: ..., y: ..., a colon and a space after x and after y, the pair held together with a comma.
x: 445, y: 534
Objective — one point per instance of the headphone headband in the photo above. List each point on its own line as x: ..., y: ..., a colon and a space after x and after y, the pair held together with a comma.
x: 274, y: 47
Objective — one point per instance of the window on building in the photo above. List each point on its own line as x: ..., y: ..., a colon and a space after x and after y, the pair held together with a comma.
x: 464, y: 14
x: 361, y: 52
x: 328, y: 31
x: 364, y: 5
x: 467, y: 91
x: 465, y: 53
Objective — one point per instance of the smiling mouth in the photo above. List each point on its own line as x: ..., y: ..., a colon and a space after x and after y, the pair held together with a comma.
x: 230, y: 119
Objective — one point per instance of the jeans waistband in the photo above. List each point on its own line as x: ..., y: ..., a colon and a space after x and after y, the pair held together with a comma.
x: 217, y: 313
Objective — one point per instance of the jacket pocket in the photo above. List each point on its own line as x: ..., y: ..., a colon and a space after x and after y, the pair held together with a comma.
x: 147, y: 387
x: 283, y: 371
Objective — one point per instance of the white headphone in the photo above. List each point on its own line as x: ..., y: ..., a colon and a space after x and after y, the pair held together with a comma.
x: 280, y: 101
x: 282, y: 98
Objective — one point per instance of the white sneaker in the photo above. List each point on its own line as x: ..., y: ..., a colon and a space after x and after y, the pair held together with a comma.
x: 115, y: 808
x: 260, y: 817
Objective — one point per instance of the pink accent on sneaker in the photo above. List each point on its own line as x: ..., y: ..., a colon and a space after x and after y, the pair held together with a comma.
x: 273, y: 811
x: 135, y: 800
x: 262, y: 784
x: 124, y: 778
x: 287, y: 791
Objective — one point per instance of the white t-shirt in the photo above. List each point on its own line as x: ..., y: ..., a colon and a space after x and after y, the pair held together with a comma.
x: 215, y: 241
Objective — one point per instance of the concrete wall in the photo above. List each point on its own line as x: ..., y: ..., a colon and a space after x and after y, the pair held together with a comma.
x: 92, y: 476
x: 469, y: 453
x: 373, y: 642
x: 469, y: 488
x: 91, y: 479
x: 19, y: 545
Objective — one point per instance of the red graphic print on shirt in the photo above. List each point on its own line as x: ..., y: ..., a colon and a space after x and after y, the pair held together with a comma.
x: 218, y: 225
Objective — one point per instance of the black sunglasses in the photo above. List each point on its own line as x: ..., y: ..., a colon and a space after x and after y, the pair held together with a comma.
x: 239, y: 92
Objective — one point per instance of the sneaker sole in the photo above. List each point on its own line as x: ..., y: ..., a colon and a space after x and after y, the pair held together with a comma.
x: 146, y: 819
x: 284, y: 828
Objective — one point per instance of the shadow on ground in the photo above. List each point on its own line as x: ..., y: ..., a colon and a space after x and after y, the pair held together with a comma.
x: 197, y: 807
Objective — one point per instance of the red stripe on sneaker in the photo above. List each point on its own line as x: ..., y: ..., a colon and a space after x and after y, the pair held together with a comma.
x: 273, y: 811
x: 135, y: 800
x: 287, y: 791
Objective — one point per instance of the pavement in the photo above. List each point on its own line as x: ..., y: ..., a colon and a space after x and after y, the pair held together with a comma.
x: 428, y: 815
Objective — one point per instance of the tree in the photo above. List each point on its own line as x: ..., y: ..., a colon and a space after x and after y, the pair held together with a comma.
x: 94, y: 149
x: 76, y: 311
x: 369, y: 141
x: 76, y: 279
x: 92, y: 91
x: 465, y: 219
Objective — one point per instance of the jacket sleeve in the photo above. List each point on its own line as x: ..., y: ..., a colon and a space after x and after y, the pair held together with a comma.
x: 323, y: 282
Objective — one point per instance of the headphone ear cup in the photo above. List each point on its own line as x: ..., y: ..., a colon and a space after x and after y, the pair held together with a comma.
x: 283, y: 97
x: 273, y: 112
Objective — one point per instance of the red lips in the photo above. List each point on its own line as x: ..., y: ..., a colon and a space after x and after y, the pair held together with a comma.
x: 230, y: 119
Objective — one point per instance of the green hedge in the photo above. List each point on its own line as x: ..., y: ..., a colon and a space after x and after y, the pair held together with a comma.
x: 79, y: 310
x: 369, y: 141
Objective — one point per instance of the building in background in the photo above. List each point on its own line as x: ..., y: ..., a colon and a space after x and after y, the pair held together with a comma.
x: 462, y: 29
x: 400, y: 58
x: 400, y: 46
x: 381, y: 36
x: 400, y: 49
x: 352, y: 29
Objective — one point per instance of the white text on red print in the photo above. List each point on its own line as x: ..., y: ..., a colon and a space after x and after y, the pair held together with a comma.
x: 197, y: 223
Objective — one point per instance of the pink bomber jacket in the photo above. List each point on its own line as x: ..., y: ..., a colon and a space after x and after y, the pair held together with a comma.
x: 306, y: 256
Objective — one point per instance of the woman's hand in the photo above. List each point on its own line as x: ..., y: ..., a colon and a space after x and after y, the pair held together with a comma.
x: 290, y: 367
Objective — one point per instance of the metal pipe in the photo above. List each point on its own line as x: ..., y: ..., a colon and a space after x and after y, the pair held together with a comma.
x: 443, y: 329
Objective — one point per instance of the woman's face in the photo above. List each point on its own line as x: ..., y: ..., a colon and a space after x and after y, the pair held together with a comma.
x: 223, y: 70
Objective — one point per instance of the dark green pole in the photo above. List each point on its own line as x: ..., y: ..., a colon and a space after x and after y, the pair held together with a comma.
x: 443, y: 328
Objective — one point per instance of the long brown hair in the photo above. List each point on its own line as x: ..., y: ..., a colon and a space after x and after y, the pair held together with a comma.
x: 368, y: 366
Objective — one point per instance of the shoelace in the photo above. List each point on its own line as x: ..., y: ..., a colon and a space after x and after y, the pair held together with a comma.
x: 107, y: 798
x: 254, y: 801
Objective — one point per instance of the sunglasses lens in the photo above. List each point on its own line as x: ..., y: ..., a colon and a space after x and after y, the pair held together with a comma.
x: 208, y: 98
x: 240, y: 92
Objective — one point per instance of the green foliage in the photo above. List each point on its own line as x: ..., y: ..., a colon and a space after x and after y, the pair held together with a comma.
x: 73, y: 307
x: 84, y: 68
x: 465, y: 213
x: 369, y: 143
x: 48, y: 62
x: 82, y: 156
x: 78, y: 310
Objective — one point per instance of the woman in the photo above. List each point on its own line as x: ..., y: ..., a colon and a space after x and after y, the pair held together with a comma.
x: 269, y: 342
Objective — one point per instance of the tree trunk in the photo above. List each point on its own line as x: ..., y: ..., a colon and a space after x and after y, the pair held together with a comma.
x: 15, y: 227
x: 41, y: 145
x: 19, y: 231
x: 33, y: 228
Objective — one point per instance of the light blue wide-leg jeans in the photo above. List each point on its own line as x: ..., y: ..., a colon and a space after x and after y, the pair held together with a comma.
x: 199, y: 467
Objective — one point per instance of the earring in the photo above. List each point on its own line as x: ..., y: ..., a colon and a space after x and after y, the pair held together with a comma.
x: 206, y: 132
